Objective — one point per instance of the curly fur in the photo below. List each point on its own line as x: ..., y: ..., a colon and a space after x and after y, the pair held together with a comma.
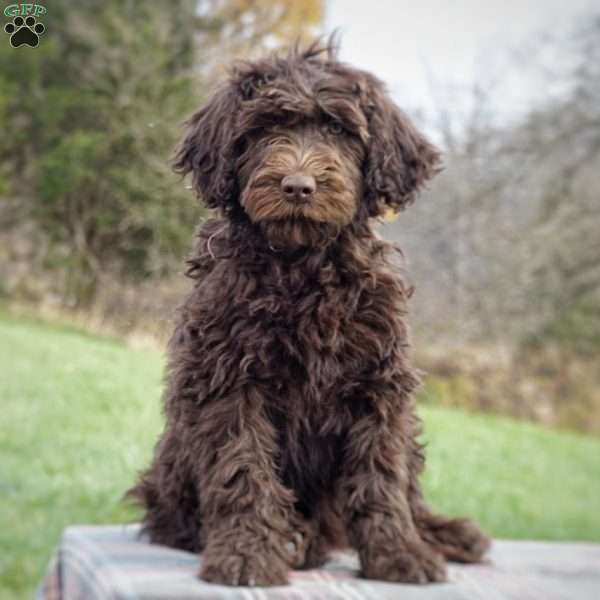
x: 290, y: 422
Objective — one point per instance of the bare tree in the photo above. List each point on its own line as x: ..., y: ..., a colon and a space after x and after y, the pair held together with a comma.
x: 505, y: 245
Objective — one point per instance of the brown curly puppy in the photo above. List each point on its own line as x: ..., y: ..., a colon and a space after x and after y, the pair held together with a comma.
x: 290, y: 420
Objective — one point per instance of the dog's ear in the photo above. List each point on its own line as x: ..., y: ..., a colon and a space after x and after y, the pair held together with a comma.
x: 207, y: 148
x: 399, y: 158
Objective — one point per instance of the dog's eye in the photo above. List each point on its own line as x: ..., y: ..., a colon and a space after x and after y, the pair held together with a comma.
x: 335, y: 127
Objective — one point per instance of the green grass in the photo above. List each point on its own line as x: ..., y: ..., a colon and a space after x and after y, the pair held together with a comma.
x: 80, y: 415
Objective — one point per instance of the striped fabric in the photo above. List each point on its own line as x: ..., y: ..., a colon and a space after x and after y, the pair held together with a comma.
x: 94, y: 563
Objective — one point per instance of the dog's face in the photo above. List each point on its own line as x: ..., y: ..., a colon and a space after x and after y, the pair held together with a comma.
x: 304, y: 145
x: 308, y: 171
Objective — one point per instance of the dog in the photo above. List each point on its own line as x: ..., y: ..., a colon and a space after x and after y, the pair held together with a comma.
x: 290, y: 422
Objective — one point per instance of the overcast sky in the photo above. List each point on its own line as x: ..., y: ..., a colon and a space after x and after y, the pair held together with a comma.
x: 412, y: 43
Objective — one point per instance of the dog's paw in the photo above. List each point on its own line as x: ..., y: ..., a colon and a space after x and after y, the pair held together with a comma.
x: 407, y: 564
x: 457, y: 539
x: 244, y: 569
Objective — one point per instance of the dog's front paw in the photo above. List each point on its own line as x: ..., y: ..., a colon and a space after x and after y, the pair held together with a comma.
x: 260, y: 568
x: 409, y: 563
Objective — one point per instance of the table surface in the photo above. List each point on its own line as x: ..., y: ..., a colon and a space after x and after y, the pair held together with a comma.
x: 102, y: 562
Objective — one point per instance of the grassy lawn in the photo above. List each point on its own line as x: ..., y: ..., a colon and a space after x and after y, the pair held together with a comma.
x: 80, y: 415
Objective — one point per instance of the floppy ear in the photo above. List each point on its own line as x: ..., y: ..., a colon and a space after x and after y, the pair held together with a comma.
x: 399, y: 158
x: 207, y: 149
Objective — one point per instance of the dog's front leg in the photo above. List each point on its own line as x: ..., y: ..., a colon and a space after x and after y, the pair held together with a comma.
x: 246, y: 510
x: 374, y: 488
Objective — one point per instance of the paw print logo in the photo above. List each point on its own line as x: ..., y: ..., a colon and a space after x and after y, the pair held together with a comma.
x: 24, y: 31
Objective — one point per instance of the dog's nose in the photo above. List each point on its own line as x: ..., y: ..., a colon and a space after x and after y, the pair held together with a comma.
x: 298, y: 188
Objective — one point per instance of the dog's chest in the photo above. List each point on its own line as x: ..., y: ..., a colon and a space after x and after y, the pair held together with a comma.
x: 315, y: 337
x: 308, y: 335
x: 304, y: 326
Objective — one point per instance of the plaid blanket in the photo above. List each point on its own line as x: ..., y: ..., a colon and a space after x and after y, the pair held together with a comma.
x: 94, y: 563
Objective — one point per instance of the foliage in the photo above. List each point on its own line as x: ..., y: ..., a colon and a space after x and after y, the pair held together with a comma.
x: 546, y: 380
x: 81, y: 415
x: 576, y: 328
x: 247, y: 28
x: 93, y: 115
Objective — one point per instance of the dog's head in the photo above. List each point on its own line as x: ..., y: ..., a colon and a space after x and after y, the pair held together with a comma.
x: 304, y: 142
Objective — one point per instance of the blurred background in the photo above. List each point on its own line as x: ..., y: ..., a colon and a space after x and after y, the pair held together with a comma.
x: 504, y: 247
